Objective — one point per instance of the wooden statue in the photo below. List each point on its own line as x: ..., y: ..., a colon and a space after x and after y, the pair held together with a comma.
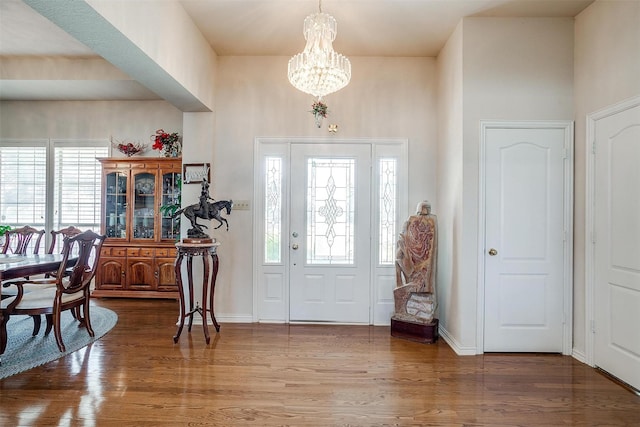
x: 416, y: 255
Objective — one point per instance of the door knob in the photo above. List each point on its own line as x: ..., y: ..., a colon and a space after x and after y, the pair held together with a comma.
x: 493, y: 252
x: 294, y: 246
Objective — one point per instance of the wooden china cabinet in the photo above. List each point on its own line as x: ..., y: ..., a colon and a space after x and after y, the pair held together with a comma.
x: 137, y: 259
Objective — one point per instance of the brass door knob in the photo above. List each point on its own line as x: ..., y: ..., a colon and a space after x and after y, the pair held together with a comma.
x: 294, y: 246
x: 493, y: 252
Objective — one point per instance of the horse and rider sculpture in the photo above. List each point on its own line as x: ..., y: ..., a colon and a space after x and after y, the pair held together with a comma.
x: 205, y: 210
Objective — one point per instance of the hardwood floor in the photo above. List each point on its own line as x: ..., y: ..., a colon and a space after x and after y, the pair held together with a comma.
x: 300, y: 375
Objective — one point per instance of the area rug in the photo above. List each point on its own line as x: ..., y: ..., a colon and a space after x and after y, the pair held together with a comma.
x: 25, y: 351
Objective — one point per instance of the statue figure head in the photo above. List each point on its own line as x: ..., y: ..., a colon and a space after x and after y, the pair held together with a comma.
x: 423, y: 208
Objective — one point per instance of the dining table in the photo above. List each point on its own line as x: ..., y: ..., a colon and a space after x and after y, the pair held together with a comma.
x: 14, y: 266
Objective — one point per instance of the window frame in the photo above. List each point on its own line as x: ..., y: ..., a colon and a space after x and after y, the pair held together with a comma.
x: 50, y: 145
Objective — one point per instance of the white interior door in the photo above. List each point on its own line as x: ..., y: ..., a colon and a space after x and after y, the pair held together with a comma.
x: 617, y: 245
x: 330, y: 234
x: 524, y: 239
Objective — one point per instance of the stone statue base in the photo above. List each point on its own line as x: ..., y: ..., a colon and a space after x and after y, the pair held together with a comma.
x: 425, y: 333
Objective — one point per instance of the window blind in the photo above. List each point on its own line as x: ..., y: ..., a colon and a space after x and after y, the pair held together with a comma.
x: 64, y: 172
x: 23, y: 185
x: 76, y: 189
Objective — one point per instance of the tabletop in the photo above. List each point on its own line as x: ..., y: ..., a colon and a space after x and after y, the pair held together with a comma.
x: 14, y: 266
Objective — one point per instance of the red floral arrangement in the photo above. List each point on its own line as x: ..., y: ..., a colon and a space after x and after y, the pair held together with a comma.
x: 169, y: 143
x: 128, y: 148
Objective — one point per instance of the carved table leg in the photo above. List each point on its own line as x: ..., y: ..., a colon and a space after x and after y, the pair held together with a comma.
x: 190, y: 279
x: 205, y: 289
x: 214, y: 259
x: 178, y: 270
x: 208, y: 285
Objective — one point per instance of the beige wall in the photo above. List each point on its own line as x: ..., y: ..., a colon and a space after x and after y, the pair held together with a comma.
x: 133, y: 121
x: 449, y: 178
x: 607, y: 71
x: 387, y: 97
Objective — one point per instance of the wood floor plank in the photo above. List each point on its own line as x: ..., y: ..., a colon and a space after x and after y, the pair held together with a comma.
x: 301, y: 375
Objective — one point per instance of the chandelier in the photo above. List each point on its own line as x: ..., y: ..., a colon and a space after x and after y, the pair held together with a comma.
x: 319, y: 70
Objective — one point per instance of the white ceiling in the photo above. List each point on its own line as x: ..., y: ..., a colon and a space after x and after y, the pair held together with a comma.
x: 265, y: 27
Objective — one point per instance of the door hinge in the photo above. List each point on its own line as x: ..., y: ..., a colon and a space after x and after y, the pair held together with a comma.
x: 566, y: 153
x: 593, y: 146
x: 593, y: 326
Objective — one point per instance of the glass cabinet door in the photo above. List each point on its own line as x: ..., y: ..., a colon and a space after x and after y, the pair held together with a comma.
x: 171, y: 187
x: 144, y: 205
x: 116, y: 205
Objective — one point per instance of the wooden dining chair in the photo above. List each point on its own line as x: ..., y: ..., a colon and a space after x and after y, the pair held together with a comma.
x: 21, y: 238
x: 56, y: 246
x: 17, y: 241
x: 57, y: 238
x: 70, y: 291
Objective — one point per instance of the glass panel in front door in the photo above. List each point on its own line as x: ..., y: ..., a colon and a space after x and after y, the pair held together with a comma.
x: 330, y: 211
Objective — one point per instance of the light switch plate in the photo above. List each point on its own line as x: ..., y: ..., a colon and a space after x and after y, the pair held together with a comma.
x: 241, y: 205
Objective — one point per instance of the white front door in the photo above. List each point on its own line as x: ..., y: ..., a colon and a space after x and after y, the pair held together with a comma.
x: 617, y: 244
x: 524, y: 239
x: 330, y: 233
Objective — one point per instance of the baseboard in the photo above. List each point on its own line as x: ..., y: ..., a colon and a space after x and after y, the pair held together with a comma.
x: 197, y: 319
x: 455, y: 345
x: 579, y: 356
x: 234, y: 319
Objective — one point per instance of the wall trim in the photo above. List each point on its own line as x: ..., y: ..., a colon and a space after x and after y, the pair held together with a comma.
x: 228, y: 318
x: 459, y: 349
x: 579, y: 356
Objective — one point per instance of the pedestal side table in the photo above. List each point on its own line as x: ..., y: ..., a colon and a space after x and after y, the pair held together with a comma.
x: 209, y: 255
